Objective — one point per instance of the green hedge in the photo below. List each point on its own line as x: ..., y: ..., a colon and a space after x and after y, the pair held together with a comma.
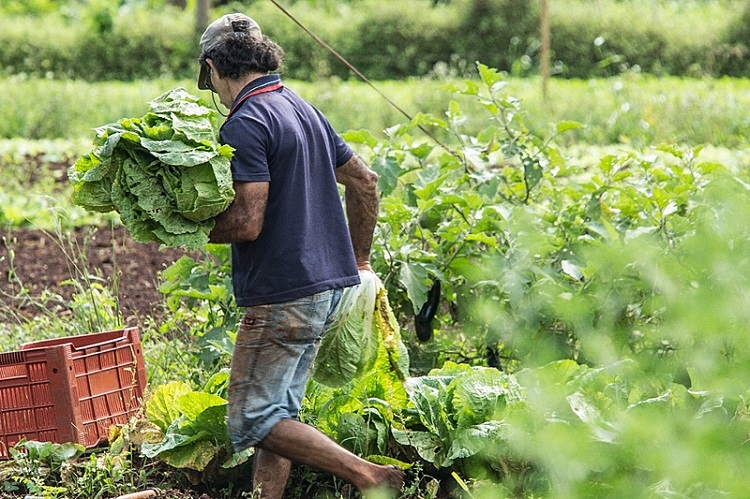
x: 395, y: 40
x: 602, y: 39
x: 138, y: 45
x: 37, y: 47
x: 403, y: 39
x: 135, y: 44
x: 735, y: 51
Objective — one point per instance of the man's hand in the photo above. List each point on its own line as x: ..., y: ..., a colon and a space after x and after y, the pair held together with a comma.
x: 365, y: 266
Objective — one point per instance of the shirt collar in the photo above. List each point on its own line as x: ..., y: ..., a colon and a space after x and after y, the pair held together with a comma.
x: 256, y: 84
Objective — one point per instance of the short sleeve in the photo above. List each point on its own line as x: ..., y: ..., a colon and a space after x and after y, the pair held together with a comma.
x: 343, y: 152
x: 251, y: 143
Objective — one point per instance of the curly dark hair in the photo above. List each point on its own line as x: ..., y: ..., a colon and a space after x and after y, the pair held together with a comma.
x: 241, y: 53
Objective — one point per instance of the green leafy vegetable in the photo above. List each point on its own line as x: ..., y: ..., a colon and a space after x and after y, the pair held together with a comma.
x: 366, y: 322
x: 165, y: 173
x: 193, y: 428
x: 160, y: 408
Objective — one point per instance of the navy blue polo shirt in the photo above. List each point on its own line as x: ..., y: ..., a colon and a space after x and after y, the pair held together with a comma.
x: 304, y: 246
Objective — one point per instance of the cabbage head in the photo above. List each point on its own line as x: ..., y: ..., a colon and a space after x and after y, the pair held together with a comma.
x: 365, y: 328
x: 164, y: 173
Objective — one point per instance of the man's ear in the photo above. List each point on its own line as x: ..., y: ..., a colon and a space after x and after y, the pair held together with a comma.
x: 212, y: 67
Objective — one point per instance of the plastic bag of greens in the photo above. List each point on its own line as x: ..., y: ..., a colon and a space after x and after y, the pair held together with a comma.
x: 364, y: 329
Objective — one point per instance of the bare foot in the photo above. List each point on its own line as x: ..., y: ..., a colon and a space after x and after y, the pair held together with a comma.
x: 388, y: 483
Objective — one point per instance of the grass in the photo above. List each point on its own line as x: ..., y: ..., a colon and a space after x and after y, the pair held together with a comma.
x: 35, y: 190
x: 630, y: 109
x: 643, y: 110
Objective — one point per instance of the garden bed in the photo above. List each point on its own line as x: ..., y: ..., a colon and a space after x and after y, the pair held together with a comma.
x: 42, y: 261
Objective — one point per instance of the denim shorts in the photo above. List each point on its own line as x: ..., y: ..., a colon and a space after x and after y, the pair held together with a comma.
x: 273, y: 356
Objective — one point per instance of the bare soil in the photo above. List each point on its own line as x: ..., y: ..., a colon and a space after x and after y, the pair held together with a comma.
x: 36, y: 268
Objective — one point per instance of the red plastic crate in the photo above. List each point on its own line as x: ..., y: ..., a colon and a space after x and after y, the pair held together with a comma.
x: 70, y: 389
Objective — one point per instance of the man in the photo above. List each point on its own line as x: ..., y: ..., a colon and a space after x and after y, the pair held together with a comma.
x: 292, y: 253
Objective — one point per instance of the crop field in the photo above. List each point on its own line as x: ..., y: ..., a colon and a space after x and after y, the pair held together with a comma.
x: 631, y: 109
x: 591, y: 334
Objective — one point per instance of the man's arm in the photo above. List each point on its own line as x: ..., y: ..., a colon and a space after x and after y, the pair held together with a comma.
x: 361, y: 195
x: 243, y: 220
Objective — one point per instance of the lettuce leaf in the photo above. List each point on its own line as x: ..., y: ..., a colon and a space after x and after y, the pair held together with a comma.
x: 350, y: 347
x: 193, y: 425
x: 164, y: 173
x: 389, y: 332
x: 160, y: 408
x: 365, y: 326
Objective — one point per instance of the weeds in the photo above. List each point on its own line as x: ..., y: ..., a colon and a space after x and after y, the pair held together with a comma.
x: 66, y: 471
x: 93, y: 301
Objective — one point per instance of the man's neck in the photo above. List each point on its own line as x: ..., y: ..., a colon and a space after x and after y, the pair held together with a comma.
x: 236, y: 86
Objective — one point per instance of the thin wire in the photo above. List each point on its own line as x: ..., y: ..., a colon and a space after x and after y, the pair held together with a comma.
x: 210, y: 86
x: 360, y: 75
x: 213, y: 98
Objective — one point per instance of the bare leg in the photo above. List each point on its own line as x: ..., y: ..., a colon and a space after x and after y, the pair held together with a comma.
x: 306, y: 445
x: 270, y: 473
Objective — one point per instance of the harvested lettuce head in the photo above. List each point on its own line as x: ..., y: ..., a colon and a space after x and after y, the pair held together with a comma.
x: 365, y: 330
x: 165, y: 173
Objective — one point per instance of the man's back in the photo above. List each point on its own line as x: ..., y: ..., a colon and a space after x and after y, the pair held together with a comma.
x: 304, y: 246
